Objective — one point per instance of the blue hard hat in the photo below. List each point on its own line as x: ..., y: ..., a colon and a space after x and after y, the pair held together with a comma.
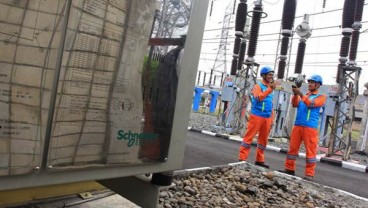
x: 266, y: 70
x: 316, y: 78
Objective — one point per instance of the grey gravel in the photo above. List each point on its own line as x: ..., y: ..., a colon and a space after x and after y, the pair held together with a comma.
x: 245, y: 185
x: 208, y: 122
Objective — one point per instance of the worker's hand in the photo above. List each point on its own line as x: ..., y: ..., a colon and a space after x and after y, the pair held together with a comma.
x: 296, y: 91
x: 273, y: 85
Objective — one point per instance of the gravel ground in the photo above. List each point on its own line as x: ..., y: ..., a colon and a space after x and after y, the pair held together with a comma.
x: 208, y: 122
x: 244, y: 185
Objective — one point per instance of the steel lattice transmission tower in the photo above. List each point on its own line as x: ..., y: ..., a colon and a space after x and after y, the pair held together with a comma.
x: 171, y: 15
x: 221, y: 60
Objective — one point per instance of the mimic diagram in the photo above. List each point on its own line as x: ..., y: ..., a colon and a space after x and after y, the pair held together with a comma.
x: 87, y: 46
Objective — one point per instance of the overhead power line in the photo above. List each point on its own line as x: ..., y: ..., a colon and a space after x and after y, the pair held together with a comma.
x: 321, y: 28
x: 312, y: 37
x: 279, y: 20
x: 272, y: 54
x: 305, y: 63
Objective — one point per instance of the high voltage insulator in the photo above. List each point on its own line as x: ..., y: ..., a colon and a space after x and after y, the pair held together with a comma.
x: 288, y: 16
x: 347, y: 22
x: 348, y: 13
x: 354, y: 47
x: 284, y: 46
x: 254, y: 31
x: 234, y: 64
x: 237, y: 45
x: 300, y: 57
x: 243, y: 46
x: 240, y: 20
x: 356, y: 27
x: 241, y: 14
x: 304, y: 31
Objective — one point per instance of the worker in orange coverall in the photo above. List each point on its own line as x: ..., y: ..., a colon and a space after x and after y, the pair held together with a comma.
x: 260, y: 119
x: 305, y: 126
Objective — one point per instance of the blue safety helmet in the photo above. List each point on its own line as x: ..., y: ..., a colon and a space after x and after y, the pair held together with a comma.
x: 316, y: 78
x: 266, y: 70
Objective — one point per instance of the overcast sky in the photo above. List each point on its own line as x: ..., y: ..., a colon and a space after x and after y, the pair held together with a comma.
x: 323, y: 47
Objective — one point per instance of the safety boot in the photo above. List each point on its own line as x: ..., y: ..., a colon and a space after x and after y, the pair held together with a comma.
x: 262, y: 164
x: 289, y: 172
x: 308, y: 178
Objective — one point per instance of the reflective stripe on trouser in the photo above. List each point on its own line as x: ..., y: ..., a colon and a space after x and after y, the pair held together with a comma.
x: 310, y: 138
x: 262, y: 126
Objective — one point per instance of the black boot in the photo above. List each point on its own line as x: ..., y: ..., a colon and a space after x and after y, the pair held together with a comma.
x: 262, y: 164
x: 289, y: 172
x: 308, y: 178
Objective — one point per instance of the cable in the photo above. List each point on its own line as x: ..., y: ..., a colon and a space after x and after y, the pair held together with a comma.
x: 272, y: 3
x: 205, y: 61
x: 305, y: 63
x: 312, y: 37
x: 293, y: 54
x: 313, y: 29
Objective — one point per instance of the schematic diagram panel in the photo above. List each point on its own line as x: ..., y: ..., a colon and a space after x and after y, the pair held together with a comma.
x: 98, y: 111
x: 29, y: 41
x: 99, y: 97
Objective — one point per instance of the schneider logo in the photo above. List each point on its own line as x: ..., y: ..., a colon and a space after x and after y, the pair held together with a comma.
x: 134, y: 138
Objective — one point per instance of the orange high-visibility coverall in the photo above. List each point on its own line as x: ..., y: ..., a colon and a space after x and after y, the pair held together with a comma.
x: 305, y: 134
x: 257, y: 124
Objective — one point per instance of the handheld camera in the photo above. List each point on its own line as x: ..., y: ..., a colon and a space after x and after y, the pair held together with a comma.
x: 298, y: 80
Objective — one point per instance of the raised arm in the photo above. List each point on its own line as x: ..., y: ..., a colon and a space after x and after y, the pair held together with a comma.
x: 258, y: 94
x: 295, y: 101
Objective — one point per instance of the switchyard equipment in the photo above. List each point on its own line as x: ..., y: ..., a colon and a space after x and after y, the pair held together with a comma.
x: 247, y: 77
x: 283, y: 109
x: 72, y: 95
x: 362, y: 145
x: 244, y: 79
x: 338, y: 114
x: 347, y: 77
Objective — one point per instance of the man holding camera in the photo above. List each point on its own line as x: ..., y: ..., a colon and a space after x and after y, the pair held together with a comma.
x: 305, y: 126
